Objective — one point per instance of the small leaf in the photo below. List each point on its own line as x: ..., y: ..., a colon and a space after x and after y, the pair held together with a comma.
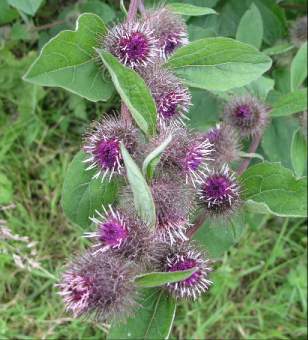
x: 153, y: 320
x: 153, y: 158
x: 143, y: 199
x: 218, y: 64
x: 276, y: 188
x: 299, y: 153
x: 290, y: 103
x: 27, y: 6
x: 278, y: 49
x: 67, y: 61
x: 82, y: 195
x: 217, y: 237
x: 133, y: 91
x: 250, y: 28
x: 156, y: 279
x: 190, y: 10
x: 299, y: 68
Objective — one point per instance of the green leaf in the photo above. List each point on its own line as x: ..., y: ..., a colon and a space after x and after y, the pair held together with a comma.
x: 133, y: 91
x: 7, y: 14
x: 290, y: 103
x: 299, y: 153
x: 143, y: 199
x: 278, y: 49
x: 299, y: 68
x: 27, y: 6
x: 190, y: 10
x: 276, y: 188
x: 153, y: 320
x: 82, y: 195
x: 216, y: 237
x: 6, y: 190
x: 101, y: 9
x: 68, y: 61
x: 156, y: 279
x: 153, y: 158
x: 250, y: 28
x: 218, y: 64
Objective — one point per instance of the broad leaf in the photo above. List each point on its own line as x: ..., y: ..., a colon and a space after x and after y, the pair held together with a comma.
x: 291, y: 103
x: 7, y: 13
x: 82, y: 195
x: 299, y: 153
x: 68, y: 61
x: 27, y: 6
x: 190, y: 10
x: 104, y: 11
x: 299, y: 68
x: 156, y: 279
x: 133, y: 91
x: 250, y: 28
x: 216, y: 237
x: 153, y: 158
x: 153, y: 320
x: 276, y: 188
x: 143, y: 199
x: 218, y: 64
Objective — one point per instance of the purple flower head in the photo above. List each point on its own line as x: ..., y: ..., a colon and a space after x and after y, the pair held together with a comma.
x: 185, y: 257
x: 299, y: 31
x: 133, y: 43
x: 102, y: 145
x: 219, y: 192
x: 112, y: 229
x: 169, y: 28
x: 187, y: 152
x: 247, y: 115
x: 100, y: 285
x: 171, y: 96
x: 225, y: 141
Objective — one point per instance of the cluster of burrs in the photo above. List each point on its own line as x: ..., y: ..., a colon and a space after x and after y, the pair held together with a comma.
x: 193, y: 175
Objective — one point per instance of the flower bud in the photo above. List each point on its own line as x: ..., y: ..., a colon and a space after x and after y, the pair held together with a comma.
x: 247, y: 115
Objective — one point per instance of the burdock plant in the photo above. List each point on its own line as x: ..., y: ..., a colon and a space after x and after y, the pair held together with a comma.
x: 156, y: 198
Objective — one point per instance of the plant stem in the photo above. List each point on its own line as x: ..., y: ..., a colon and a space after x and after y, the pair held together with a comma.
x: 252, y: 149
x: 141, y: 7
x: 198, y: 223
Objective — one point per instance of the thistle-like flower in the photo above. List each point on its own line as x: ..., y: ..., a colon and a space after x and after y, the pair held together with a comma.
x: 184, y: 257
x: 102, y: 145
x: 247, y: 115
x: 134, y: 44
x: 169, y: 28
x: 225, y: 141
x: 171, y: 96
x: 121, y: 232
x: 187, y: 152
x: 219, y: 192
x: 299, y: 31
x: 101, y: 285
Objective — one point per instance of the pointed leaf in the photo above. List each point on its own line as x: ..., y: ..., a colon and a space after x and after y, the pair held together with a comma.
x: 156, y: 279
x: 250, y: 28
x: 299, y: 68
x: 218, y: 64
x: 133, y: 91
x: 190, y: 10
x: 68, y: 61
x: 153, y: 158
x: 82, y: 195
x: 143, y: 199
x: 153, y: 320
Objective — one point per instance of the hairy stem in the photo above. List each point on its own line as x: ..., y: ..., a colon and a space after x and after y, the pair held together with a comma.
x: 252, y: 149
x: 198, y: 223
